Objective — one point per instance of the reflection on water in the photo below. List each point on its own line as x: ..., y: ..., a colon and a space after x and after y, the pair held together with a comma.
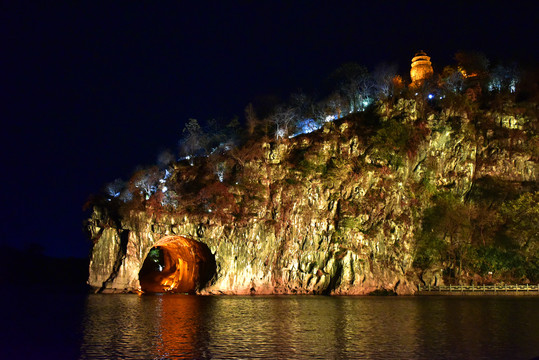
x: 299, y: 327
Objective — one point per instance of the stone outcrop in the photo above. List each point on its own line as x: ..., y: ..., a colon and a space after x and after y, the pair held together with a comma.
x: 333, y: 212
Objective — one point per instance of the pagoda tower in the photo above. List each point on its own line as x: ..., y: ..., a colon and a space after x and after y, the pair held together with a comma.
x: 421, y: 68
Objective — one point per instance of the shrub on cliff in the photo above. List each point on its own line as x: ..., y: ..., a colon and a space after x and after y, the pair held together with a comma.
x: 447, y: 225
x: 485, y: 237
x: 395, y: 141
x: 522, y: 224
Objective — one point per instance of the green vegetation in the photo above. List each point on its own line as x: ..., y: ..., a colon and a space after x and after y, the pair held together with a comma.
x: 155, y: 256
x: 469, y: 238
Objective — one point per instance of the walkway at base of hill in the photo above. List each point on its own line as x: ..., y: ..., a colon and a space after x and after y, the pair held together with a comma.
x: 498, y: 289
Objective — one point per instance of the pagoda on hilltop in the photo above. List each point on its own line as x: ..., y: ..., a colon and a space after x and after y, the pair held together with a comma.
x: 421, y: 69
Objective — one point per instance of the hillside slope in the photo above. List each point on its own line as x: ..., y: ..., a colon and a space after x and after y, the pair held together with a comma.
x: 348, y: 209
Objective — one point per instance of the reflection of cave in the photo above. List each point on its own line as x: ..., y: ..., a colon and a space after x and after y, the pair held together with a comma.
x: 177, y: 264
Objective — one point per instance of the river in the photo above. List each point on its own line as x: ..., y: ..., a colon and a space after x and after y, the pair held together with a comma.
x: 71, y: 326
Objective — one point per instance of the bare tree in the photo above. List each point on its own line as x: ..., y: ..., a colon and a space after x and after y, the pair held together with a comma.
x: 453, y: 80
x: 282, y: 120
x: 115, y: 188
x: 146, y: 181
x: 356, y: 87
x: 383, y: 79
x: 334, y: 106
x: 194, y: 139
x: 365, y: 92
x: 504, y: 78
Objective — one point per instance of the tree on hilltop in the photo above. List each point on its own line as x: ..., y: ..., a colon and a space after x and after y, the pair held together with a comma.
x: 355, y: 85
x: 194, y: 140
x: 282, y: 120
x: 473, y: 63
x: 383, y: 80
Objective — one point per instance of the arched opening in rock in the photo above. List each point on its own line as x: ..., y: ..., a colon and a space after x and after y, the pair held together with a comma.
x: 178, y: 265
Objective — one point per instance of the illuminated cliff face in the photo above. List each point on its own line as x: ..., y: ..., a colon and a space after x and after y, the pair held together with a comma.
x: 177, y: 264
x: 421, y: 68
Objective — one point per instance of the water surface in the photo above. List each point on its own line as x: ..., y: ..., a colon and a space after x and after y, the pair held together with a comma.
x: 62, y: 326
x: 310, y: 327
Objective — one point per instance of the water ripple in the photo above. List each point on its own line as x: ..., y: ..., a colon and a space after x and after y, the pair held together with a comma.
x: 308, y: 327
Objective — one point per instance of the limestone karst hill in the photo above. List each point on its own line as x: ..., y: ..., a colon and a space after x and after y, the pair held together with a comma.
x: 386, y: 199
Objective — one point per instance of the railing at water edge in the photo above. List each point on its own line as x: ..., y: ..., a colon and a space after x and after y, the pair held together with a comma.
x: 481, y: 288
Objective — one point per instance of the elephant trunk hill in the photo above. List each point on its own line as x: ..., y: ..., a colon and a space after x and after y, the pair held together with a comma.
x: 378, y: 201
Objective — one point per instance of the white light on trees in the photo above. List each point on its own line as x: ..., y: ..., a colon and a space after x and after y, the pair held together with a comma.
x: 220, y: 171
x: 283, y: 118
x: 115, y: 188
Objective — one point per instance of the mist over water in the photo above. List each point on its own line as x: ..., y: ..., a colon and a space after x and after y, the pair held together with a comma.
x: 309, y: 327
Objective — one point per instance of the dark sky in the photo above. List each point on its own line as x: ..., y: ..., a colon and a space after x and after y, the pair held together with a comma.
x: 91, y: 90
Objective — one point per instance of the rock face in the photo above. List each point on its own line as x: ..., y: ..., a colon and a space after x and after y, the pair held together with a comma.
x: 333, y: 212
x: 177, y: 264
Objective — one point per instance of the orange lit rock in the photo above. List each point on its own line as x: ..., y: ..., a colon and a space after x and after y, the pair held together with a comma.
x: 184, y: 266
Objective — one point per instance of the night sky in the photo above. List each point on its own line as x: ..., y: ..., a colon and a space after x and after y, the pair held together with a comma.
x: 91, y: 91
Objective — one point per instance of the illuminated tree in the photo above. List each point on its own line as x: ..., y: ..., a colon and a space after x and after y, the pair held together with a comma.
x: 355, y: 85
x: 309, y: 114
x: 383, y: 77
x: 334, y: 105
x: 504, y: 78
x: 194, y: 140
x: 301, y: 103
x: 447, y: 226
x: 398, y: 84
x: 146, y: 181
x: 282, y: 120
x: 453, y: 80
x: 304, y: 113
x: 522, y: 223
x: 219, y: 170
x: 170, y: 199
x: 126, y: 195
x: 114, y: 189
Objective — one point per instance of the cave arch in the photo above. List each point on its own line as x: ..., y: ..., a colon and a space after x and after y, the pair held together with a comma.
x: 178, y: 265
